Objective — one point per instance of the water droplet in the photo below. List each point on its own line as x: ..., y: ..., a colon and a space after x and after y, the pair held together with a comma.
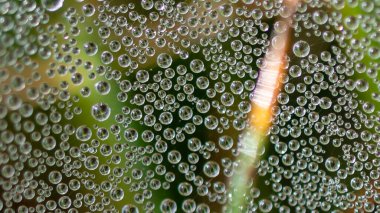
x: 83, y: 133
x: 52, y: 5
x: 211, y: 169
x: 164, y: 60
x: 301, y: 49
x: 332, y: 164
x: 100, y: 111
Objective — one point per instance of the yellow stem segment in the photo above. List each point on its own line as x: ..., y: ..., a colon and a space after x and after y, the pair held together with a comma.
x: 260, y: 118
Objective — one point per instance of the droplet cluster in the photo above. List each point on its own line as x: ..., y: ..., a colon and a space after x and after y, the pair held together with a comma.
x: 142, y: 106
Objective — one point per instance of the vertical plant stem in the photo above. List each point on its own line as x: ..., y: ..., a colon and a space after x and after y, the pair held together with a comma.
x: 260, y: 118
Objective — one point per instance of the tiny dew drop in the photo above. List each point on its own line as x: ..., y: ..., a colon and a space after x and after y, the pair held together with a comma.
x: 100, y: 111
x: 332, y: 164
x: 103, y: 87
x: 52, y: 5
x: 164, y: 60
x: 196, y: 65
x: 90, y: 48
x: 211, y: 169
x: 130, y: 209
x: 168, y: 206
x: 301, y: 49
x: 83, y: 133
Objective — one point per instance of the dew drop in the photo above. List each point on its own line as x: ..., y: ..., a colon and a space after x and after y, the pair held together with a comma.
x: 52, y: 5
x: 83, y: 133
x: 332, y: 164
x: 164, y: 60
x: 301, y: 49
x: 100, y: 111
